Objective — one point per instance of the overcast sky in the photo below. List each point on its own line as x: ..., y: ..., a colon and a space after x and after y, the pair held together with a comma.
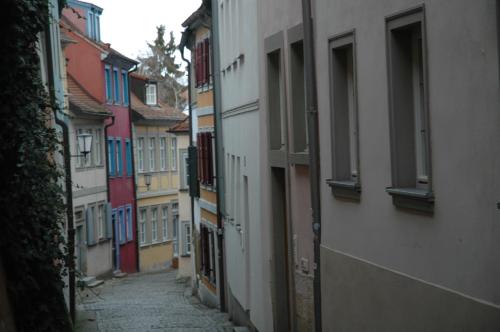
x: 128, y: 24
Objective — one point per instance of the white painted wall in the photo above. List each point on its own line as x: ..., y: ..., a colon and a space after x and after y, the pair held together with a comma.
x: 247, y: 251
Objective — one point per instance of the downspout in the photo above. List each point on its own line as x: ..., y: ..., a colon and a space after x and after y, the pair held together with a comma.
x: 67, y: 177
x: 108, y: 187
x: 314, y: 165
x: 219, y: 165
x: 133, y: 171
x: 188, y: 63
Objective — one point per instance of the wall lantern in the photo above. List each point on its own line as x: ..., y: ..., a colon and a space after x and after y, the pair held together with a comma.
x: 147, y: 180
x: 84, y: 144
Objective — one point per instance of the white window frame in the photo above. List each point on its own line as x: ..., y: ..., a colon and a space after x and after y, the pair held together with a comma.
x: 151, y: 94
x: 173, y: 153
x: 154, y: 225
x: 98, y: 147
x: 142, y: 222
x: 186, y: 239
x: 152, y: 153
x: 140, y: 154
x: 164, y: 219
x: 163, y: 153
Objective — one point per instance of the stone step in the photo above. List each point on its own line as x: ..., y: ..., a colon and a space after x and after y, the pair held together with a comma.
x: 95, y: 283
x: 119, y: 274
x: 88, y: 280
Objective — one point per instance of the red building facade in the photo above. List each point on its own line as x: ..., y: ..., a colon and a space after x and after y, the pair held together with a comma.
x: 104, y: 73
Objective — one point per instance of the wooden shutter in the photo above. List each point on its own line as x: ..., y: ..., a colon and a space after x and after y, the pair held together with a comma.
x: 198, y: 65
x: 89, y: 223
x: 109, y: 220
x: 198, y: 152
x: 193, y: 168
x: 207, y: 60
x: 205, y: 159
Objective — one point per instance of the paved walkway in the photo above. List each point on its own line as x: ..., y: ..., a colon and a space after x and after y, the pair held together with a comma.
x: 146, y: 302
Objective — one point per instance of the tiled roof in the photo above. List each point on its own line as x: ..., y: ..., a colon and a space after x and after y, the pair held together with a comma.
x: 181, y: 126
x: 82, y: 102
x: 160, y: 112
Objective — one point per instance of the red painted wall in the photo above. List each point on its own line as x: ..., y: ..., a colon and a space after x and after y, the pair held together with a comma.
x: 122, y: 187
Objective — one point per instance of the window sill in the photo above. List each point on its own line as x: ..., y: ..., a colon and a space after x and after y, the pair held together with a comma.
x: 186, y: 255
x: 345, y: 189
x: 299, y: 158
x: 412, y: 198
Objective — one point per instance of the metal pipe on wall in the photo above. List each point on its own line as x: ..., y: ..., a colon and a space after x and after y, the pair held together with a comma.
x: 313, y: 136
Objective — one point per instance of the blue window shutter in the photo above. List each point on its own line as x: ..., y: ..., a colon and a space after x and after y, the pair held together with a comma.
x: 107, y: 77
x: 109, y: 221
x: 89, y: 223
x: 119, y: 162
x: 116, y: 80
x: 111, y: 157
x: 125, y: 87
x: 129, y: 157
x: 130, y: 233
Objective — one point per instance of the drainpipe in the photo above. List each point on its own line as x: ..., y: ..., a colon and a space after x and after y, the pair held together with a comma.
x: 108, y: 187
x: 67, y: 178
x: 188, y: 63
x: 314, y: 165
x: 219, y: 154
x: 133, y: 171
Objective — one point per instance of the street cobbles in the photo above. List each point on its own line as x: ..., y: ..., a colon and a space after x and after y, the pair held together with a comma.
x: 146, y: 302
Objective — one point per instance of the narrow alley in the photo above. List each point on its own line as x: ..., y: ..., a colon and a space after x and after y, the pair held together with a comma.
x: 146, y: 302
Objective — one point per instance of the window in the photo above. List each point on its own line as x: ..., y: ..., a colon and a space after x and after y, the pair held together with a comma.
x: 298, y: 111
x: 79, y: 159
x: 90, y: 224
x: 107, y: 77
x: 87, y: 159
x: 128, y: 156
x: 344, y: 119
x: 151, y: 98
x: 163, y: 153
x: 140, y: 154
x: 274, y: 86
x: 152, y: 147
x: 97, y: 27
x: 116, y: 81
x: 410, y: 146
x: 98, y: 147
x: 184, y: 168
x: 205, y: 158
x: 186, y: 248
x: 130, y: 228
x: 91, y: 25
x: 202, y: 64
x: 207, y: 244
x: 142, y: 222
x: 175, y: 223
x: 111, y: 156
x: 122, y: 226
x: 164, y: 219
x: 119, y: 158
x: 173, y: 153
x: 154, y: 225
x: 100, y: 221
x: 125, y: 87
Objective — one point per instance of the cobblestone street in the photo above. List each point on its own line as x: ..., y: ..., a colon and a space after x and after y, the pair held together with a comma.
x: 146, y: 302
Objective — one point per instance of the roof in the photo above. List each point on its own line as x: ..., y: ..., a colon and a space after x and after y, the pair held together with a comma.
x: 82, y: 103
x: 181, y: 127
x: 159, y: 112
x: 201, y: 16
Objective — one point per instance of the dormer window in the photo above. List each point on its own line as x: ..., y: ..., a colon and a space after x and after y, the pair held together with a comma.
x: 93, y: 25
x: 151, y: 94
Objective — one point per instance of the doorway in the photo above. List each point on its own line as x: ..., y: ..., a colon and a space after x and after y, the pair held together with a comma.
x: 280, y: 249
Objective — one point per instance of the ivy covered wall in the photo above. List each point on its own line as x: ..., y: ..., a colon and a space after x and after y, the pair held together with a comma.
x: 31, y: 205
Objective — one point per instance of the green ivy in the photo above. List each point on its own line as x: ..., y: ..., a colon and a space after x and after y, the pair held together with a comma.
x: 32, y: 210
